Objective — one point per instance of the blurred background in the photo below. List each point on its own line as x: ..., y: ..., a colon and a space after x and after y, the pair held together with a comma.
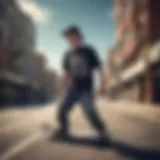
x: 126, y: 35
x: 133, y: 61
x: 25, y: 77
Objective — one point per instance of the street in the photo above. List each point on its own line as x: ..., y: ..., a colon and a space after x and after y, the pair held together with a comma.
x: 135, y: 131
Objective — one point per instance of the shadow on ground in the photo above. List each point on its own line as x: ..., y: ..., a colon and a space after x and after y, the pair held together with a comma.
x: 121, y: 148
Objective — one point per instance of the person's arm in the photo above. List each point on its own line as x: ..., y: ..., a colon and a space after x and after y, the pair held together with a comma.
x: 97, y: 65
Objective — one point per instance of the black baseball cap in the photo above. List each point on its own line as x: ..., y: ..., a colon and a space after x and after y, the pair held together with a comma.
x: 72, y: 29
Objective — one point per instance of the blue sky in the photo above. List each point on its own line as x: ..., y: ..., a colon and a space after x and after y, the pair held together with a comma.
x: 51, y: 17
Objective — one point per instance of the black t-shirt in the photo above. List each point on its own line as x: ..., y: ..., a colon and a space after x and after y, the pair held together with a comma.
x: 80, y: 64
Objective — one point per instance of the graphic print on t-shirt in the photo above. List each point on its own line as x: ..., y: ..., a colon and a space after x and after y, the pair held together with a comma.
x: 79, y: 66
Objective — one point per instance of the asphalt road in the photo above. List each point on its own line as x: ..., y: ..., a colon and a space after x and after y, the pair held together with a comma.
x: 135, y: 131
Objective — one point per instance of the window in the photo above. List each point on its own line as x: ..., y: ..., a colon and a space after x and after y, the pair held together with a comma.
x: 127, y: 37
x: 126, y: 7
x: 143, y: 4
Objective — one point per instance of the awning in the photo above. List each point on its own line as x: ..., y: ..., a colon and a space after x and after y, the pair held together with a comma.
x: 138, y: 68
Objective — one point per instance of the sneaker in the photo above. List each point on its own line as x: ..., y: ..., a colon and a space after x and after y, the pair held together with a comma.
x: 104, y: 139
x: 60, y: 135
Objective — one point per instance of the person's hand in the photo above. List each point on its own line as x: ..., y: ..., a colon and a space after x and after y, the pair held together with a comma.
x: 102, y: 89
x: 63, y: 81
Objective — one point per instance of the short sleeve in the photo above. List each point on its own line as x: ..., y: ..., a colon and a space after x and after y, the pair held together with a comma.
x: 65, y: 62
x: 95, y: 60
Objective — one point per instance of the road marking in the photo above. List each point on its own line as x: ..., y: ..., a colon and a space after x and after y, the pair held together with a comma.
x: 16, y: 149
x: 15, y: 126
x: 22, y: 123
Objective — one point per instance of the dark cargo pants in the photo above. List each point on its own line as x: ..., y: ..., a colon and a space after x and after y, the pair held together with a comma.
x: 86, y: 100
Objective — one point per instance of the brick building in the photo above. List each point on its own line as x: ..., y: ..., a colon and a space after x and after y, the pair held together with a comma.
x: 136, y: 44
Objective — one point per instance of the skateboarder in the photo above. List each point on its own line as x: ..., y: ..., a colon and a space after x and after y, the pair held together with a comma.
x: 79, y: 64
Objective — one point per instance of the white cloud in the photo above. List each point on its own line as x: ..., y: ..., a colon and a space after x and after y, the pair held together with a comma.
x: 40, y: 14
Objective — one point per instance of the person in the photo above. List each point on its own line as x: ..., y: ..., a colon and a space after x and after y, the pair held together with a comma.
x: 79, y: 64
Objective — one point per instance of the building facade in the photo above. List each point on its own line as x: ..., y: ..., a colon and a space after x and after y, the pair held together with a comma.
x: 28, y: 44
x: 46, y: 79
x: 137, y: 34
x: 17, y: 37
x: 17, y: 44
x: 5, y: 32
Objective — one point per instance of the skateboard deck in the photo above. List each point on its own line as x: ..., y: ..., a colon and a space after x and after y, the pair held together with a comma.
x: 74, y: 138
x: 48, y: 127
x: 53, y: 128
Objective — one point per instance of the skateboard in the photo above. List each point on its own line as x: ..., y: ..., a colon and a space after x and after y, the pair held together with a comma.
x: 76, y: 137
